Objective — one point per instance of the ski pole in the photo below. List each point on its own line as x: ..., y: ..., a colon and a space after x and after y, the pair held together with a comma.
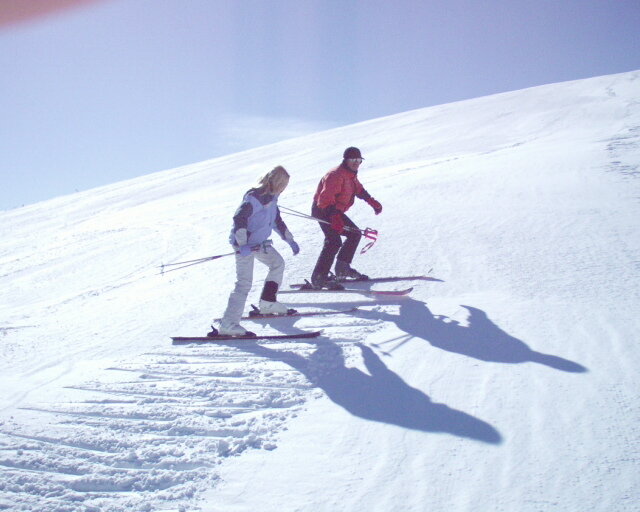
x: 371, y: 234
x: 289, y: 211
x: 189, y: 263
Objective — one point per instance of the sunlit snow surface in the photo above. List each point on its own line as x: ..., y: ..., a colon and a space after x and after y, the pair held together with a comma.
x: 506, y: 381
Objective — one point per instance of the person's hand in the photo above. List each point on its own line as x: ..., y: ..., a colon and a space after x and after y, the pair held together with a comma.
x: 244, y: 250
x: 337, y: 222
x: 294, y: 246
x: 377, y: 207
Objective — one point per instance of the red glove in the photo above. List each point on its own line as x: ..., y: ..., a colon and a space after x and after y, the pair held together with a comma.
x: 377, y: 207
x: 337, y: 222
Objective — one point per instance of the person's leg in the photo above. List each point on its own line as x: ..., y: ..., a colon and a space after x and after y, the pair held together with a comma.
x: 331, y: 246
x: 230, y: 322
x: 270, y: 257
x: 348, y: 249
x: 268, y: 299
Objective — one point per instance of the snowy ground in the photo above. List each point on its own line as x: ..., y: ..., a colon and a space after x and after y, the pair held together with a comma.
x: 507, y: 381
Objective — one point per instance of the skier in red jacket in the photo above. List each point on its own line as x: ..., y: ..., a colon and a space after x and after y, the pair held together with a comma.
x: 335, y: 195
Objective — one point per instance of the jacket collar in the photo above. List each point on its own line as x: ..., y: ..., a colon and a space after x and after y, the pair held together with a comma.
x: 344, y: 167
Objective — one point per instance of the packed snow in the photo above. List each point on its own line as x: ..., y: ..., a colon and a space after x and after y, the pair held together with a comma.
x: 506, y: 380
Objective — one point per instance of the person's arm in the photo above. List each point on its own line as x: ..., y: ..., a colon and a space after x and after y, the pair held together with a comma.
x: 361, y: 193
x: 240, y: 223
x: 331, y: 187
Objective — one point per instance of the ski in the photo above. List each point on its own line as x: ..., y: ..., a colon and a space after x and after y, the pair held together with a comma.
x: 185, y: 340
x: 372, y: 293
x: 256, y: 315
x: 389, y: 279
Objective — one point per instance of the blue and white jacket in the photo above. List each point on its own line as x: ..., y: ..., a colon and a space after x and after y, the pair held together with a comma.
x: 256, y: 217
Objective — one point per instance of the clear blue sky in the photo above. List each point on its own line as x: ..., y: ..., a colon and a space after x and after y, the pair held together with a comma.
x: 105, y: 90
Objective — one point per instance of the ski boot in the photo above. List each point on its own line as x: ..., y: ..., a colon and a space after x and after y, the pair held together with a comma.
x: 230, y: 329
x: 274, y: 308
x: 324, y: 283
x: 344, y: 271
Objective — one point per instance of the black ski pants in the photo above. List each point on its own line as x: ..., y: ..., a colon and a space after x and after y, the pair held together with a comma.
x: 333, y: 245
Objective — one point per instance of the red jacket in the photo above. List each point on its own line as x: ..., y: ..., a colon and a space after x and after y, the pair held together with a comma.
x: 339, y: 187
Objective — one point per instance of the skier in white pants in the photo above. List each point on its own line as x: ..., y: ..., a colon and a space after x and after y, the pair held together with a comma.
x: 253, y: 223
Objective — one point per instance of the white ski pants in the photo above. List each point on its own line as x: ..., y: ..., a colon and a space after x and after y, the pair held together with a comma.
x: 244, y: 278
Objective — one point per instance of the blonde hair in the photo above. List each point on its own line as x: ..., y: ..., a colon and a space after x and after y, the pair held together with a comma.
x: 273, y: 182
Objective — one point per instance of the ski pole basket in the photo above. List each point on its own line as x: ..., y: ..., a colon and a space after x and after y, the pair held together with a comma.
x: 372, y: 235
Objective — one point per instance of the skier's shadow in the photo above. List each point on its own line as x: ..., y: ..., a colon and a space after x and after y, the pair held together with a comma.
x: 379, y: 395
x: 481, y: 339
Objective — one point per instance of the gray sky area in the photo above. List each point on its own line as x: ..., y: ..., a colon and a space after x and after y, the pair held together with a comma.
x: 97, y: 91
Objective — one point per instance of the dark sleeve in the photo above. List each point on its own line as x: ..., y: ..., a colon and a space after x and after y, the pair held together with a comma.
x: 241, y: 217
x: 281, y: 227
x: 363, y: 194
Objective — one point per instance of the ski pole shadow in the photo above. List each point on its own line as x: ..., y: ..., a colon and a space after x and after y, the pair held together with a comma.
x: 481, y: 339
x: 380, y: 395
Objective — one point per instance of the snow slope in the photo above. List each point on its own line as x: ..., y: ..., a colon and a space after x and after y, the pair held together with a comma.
x: 508, y: 381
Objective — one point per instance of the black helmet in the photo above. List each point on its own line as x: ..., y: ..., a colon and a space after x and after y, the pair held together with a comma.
x: 352, y: 152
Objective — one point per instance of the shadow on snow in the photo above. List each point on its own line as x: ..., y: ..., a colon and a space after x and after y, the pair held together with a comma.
x: 481, y: 339
x: 380, y: 395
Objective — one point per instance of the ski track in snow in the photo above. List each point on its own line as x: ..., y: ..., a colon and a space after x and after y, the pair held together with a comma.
x: 155, y: 432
